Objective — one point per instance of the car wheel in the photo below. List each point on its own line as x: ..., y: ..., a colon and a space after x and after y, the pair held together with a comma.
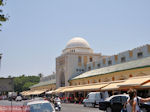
x: 84, y: 104
x: 108, y: 109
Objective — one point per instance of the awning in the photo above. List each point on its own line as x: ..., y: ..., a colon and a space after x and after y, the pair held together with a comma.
x: 50, y: 92
x: 23, y: 93
x: 59, y: 89
x: 85, y: 87
x: 134, y: 82
x: 147, y: 85
x: 37, y: 92
x: 26, y: 93
x: 33, y: 92
x: 112, y: 86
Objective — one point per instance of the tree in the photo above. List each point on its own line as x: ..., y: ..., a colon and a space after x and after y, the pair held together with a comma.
x: 9, y: 76
x: 27, y: 85
x: 3, y: 17
x: 40, y: 75
x: 23, y: 82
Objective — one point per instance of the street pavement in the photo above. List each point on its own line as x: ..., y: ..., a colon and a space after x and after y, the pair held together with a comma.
x: 8, y: 103
x: 66, y: 107
x: 78, y: 108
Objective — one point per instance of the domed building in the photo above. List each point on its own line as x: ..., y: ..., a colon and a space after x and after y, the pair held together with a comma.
x: 73, y: 60
x: 78, y: 44
x: 81, y: 70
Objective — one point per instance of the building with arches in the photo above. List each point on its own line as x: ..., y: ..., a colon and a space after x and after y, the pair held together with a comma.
x: 73, y: 60
x: 79, y: 69
x: 79, y: 65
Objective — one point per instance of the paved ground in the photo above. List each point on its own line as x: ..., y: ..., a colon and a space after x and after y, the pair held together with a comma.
x: 8, y: 103
x: 78, y: 108
x: 66, y: 107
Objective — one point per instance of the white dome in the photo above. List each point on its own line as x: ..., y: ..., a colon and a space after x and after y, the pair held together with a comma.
x: 77, y: 42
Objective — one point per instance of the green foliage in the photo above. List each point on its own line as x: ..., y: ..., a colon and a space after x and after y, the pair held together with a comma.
x: 27, y: 85
x: 1, y: 2
x: 23, y: 82
x: 3, y: 18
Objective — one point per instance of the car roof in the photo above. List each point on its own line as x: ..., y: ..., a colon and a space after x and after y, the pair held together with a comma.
x: 37, y: 102
x: 108, y: 99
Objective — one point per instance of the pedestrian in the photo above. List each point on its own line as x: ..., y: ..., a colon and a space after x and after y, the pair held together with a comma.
x: 132, y: 104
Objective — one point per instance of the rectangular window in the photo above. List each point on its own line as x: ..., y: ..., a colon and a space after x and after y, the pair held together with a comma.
x: 85, y: 61
x: 116, y: 57
x: 140, y: 54
x: 104, y: 61
x: 148, y: 47
x: 123, y: 59
x: 91, y: 59
x: 130, y: 54
x: 89, y: 68
x: 79, y: 60
x: 109, y: 62
x: 98, y: 65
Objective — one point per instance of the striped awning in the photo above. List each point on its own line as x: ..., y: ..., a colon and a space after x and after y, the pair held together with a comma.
x: 135, y: 82
x: 112, y: 86
x: 33, y: 92
x: 88, y: 87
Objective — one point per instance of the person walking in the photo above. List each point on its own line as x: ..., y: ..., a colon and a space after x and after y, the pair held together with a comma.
x: 133, y: 101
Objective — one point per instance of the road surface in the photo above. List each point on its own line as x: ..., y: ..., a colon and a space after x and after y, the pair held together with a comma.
x: 66, y: 107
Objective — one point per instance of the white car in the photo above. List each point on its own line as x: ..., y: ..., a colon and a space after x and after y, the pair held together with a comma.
x: 18, y: 98
x: 40, y: 106
x: 93, y: 98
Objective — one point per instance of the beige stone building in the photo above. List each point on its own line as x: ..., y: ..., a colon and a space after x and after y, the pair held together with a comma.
x: 82, y: 71
x: 73, y: 60
x: 79, y: 69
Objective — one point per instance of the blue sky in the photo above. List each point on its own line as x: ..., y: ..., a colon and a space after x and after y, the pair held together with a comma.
x: 37, y: 31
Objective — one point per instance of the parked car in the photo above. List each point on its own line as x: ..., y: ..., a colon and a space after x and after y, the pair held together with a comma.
x: 145, y: 107
x: 39, y: 106
x: 18, y: 98
x: 93, y: 99
x: 116, y: 102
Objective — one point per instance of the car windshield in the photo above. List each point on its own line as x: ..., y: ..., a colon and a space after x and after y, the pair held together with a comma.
x: 108, y: 99
x: 41, y: 107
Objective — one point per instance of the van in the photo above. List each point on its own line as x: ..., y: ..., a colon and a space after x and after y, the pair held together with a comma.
x: 93, y: 98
